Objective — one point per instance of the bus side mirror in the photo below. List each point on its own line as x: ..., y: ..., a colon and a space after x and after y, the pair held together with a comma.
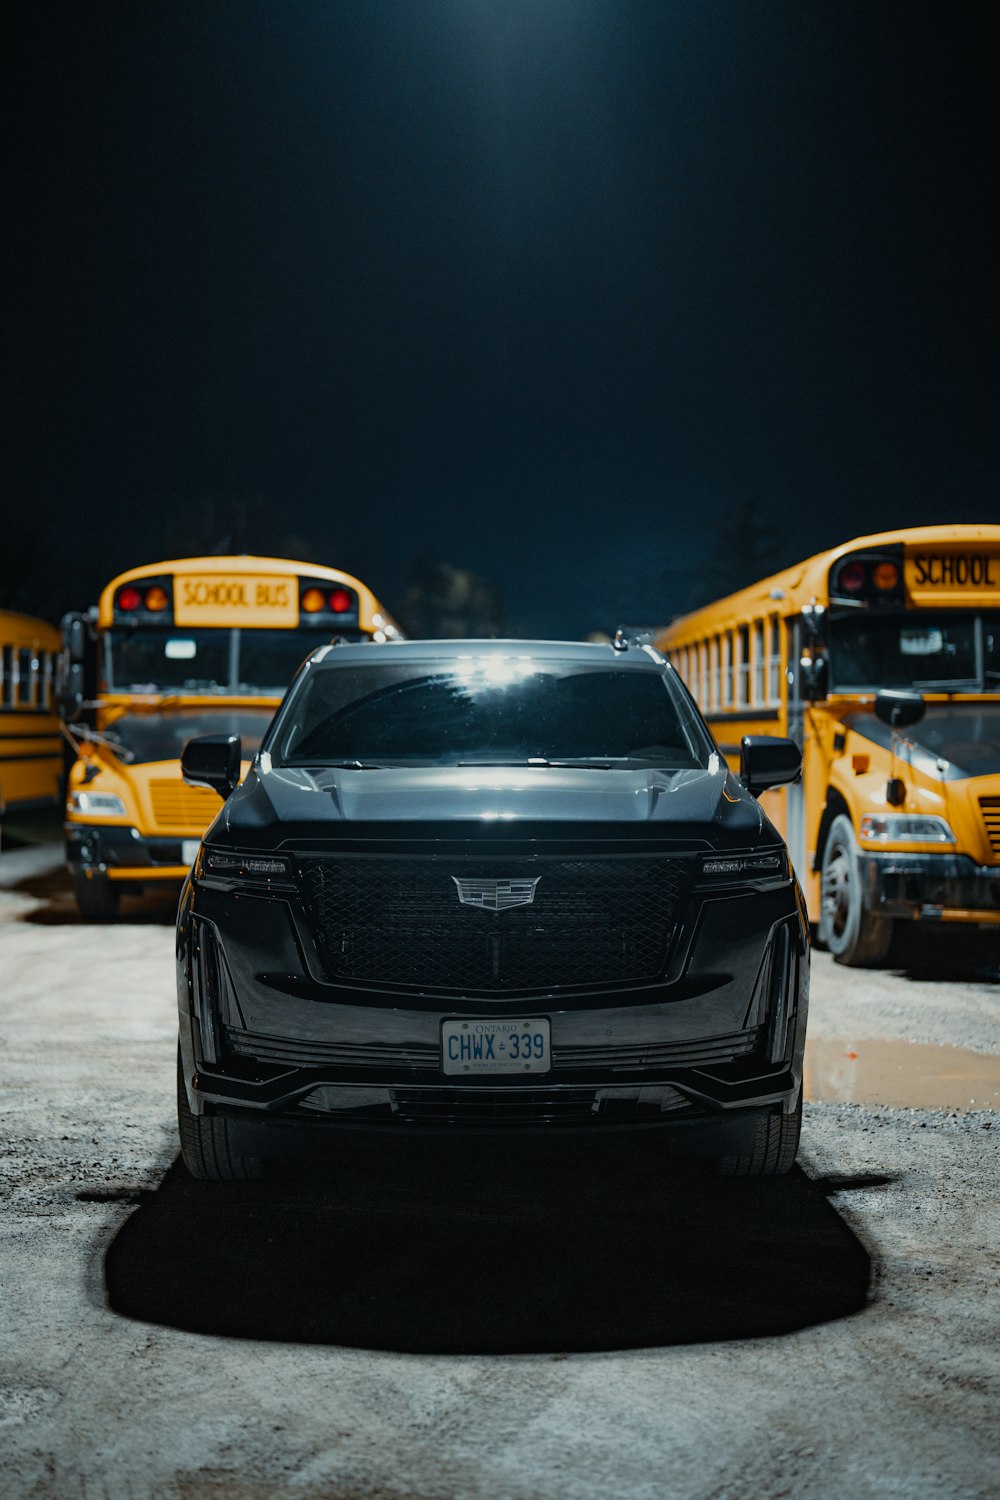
x: 213, y: 761
x: 899, y: 707
x: 766, y: 761
x: 75, y: 637
x: 813, y: 674
x: 71, y: 692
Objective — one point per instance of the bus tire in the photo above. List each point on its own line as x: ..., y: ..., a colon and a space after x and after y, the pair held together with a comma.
x: 206, y: 1146
x: 97, y: 897
x: 854, y: 936
x: 774, y: 1147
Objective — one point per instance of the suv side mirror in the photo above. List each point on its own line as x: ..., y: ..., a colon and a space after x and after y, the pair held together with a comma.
x: 766, y: 761
x: 899, y: 707
x: 213, y: 760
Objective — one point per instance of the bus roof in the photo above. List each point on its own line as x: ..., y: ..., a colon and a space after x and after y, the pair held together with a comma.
x: 17, y: 629
x: 242, y: 564
x: 785, y: 592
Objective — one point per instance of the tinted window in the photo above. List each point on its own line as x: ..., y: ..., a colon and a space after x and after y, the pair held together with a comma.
x: 489, y: 710
x: 148, y: 659
x: 151, y: 658
x: 915, y: 650
x: 162, y: 736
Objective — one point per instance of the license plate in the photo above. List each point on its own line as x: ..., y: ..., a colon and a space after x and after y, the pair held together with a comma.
x: 236, y: 599
x: 521, y: 1046
x: 189, y: 851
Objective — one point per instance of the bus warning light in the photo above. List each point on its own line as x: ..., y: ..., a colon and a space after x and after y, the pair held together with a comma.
x: 156, y: 599
x: 852, y: 577
x: 313, y: 601
x: 129, y: 599
x: 340, y: 601
x: 885, y: 576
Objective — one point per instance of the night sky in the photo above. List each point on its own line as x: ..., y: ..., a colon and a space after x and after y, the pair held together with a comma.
x: 543, y: 287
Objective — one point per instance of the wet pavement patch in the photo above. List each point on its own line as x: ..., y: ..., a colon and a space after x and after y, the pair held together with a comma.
x: 902, y: 1075
x: 457, y: 1247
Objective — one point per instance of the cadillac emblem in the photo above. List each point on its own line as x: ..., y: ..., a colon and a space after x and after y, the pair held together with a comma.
x: 496, y: 895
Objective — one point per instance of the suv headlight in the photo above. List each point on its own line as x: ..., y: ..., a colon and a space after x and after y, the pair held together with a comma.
x: 229, y: 864
x: 96, y: 805
x: 745, y: 868
x: 906, y: 828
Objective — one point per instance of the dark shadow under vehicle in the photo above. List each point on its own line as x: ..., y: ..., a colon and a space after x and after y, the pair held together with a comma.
x: 464, y: 1246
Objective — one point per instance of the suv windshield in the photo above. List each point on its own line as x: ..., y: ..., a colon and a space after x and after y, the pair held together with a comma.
x: 488, y: 710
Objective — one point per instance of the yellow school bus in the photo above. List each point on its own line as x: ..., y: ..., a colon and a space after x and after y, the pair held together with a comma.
x: 202, y: 645
x: 881, y: 658
x: 31, y: 755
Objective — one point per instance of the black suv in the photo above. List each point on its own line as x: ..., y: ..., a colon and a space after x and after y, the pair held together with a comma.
x: 491, y: 884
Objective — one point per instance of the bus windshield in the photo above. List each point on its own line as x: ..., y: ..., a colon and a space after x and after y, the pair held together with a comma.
x: 427, y: 714
x: 150, y: 659
x: 924, y: 650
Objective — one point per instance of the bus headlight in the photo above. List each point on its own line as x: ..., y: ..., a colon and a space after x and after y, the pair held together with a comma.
x: 96, y: 805
x: 906, y: 828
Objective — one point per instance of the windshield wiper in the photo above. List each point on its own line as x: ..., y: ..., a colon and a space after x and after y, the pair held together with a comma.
x: 338, y: 765
x: 594, y: 763
x: 948, y: 685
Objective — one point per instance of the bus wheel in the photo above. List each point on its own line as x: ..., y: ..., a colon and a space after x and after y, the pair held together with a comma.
x: 97, y: 898
x: 206, y: 1146
x: 854, y: 936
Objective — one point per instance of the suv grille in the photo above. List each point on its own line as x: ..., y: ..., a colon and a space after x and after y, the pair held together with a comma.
x: 399, y: 921
x: 991, y: 817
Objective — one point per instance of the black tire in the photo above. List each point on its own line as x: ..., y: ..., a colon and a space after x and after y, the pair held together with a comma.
x: 854, y: 936
x: 97, y: 897
x: 774, y: 1147
x: 206, y: 1147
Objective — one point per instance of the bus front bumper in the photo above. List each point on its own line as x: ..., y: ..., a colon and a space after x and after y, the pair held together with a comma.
x: 123, y: 853
x: 931, y: 888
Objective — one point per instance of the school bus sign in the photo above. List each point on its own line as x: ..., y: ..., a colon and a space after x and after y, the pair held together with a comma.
x: 952, y: 575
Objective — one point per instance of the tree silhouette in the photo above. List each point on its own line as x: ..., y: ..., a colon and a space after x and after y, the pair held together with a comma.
x: 444, y: 602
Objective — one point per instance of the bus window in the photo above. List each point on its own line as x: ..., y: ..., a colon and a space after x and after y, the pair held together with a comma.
x: 927, y: 650
x: 27, y: 674
x: 743, y: 637
x: 774, y: 662
x: 727, y: 669
x: 759, y: 664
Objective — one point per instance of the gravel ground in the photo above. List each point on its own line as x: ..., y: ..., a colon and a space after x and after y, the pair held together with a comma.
x: 629, y: 1328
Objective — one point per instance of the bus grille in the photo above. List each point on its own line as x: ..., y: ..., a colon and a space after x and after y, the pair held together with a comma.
x: 177, y: 806
x: 399, y: 921
x: 991, y: 817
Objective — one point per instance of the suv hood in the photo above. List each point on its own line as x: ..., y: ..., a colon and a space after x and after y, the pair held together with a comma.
x: 281, y: 804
